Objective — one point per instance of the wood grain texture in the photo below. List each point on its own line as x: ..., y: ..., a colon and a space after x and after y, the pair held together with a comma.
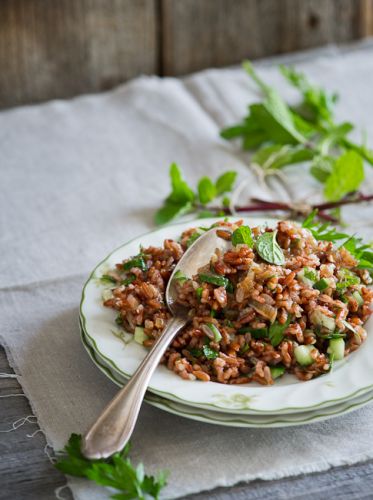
x: 27, y: 474
x: 59, y: 49
x: 366, y: 18
x: 64, y: 48
x: 221, y: 32
x: 25, y: 471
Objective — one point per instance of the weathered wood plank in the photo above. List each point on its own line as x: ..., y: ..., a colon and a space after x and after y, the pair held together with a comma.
x: 61, y: 49
x: 366, y: 18
x: 25, y: 471
x: 221, y: 32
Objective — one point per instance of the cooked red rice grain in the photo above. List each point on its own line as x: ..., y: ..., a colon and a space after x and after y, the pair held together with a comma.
x: 263, y: 294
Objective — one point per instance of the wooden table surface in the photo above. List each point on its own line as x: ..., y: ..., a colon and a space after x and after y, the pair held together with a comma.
x: 26, y: 472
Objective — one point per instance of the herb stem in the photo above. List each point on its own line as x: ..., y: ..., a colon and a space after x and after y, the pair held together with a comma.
x: 259, y: 205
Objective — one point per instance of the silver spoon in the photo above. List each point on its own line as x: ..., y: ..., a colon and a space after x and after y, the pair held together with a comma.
x: 113, y: 428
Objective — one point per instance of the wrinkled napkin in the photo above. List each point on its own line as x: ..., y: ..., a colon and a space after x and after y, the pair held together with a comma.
x: 79, y: 178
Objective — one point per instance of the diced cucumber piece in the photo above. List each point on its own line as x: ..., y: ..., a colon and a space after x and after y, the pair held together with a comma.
x: 318, y: 318
x: 215, y: 331
x: 303, y: 354
x: 337, y: 348
x: 277, y: 371
x: 359, y: 299
x: 308, y: 276
x: 139, y: 335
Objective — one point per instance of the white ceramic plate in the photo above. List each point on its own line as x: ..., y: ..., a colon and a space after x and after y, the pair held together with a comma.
x: 234, y: 420
x: 350, y: 378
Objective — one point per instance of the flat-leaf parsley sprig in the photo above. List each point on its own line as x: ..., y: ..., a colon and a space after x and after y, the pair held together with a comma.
x: 278, y: 135
x: 116, y: 472
x: 363, y: 253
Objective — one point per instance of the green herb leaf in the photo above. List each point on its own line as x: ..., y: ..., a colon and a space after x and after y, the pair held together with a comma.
x: 277, y: 331
x: 269, y: 250
x: 197, y: 353
x: 181, y: 193
x: 106, y: 279
x: 206, y: 190
x: 207, y: 214
x: 179, y: 202
x: 333, y: 135
x: 242, y: 235
x: 180, y: 277
x: 170, y: 211
x: 244, y: 348
x: 135, y: 262
x: 256, y: 333
x: 310, y: 274
x: 225, y: 182
x: 116, y: 472
x: 209, y: 352
x: 193, y: 238
x: 317, y: 104
x: 321, y: 285
x: 127, y: 281
x: 347, y: 279
x: 346, y: 176
x: 323, y: 231
x: 216, y: 279
x: 276, y: 108
x: 279, y: 155
x: 321, y: 167
x: 362, y: 150
x: 199, y: 291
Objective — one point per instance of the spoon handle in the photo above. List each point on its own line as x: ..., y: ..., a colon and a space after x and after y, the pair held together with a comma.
x: 113, y: 428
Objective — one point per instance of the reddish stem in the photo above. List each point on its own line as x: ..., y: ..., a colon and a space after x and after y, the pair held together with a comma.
x: 265, y: 205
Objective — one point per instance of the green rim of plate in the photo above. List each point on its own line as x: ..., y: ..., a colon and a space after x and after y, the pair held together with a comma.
x: 166, y: 405
x: 175, y: 398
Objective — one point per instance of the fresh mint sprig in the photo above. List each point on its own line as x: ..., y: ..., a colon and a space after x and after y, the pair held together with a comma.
x: 184, y: 199
x: 116, y: 472
x: 279, y: 135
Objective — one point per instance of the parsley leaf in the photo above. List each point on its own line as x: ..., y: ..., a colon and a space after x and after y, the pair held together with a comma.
x: 363, y: 253
x: 135, y: 262
x: 346, y: 176
x: 116, y: 472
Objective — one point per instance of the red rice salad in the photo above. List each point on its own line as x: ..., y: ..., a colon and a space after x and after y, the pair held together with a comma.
x: 278, y: 301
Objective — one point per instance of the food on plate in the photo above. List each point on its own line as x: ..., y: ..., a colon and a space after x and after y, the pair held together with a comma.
x: 279, y: 300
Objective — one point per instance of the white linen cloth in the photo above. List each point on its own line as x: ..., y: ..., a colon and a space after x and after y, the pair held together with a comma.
x: 79, y: 178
